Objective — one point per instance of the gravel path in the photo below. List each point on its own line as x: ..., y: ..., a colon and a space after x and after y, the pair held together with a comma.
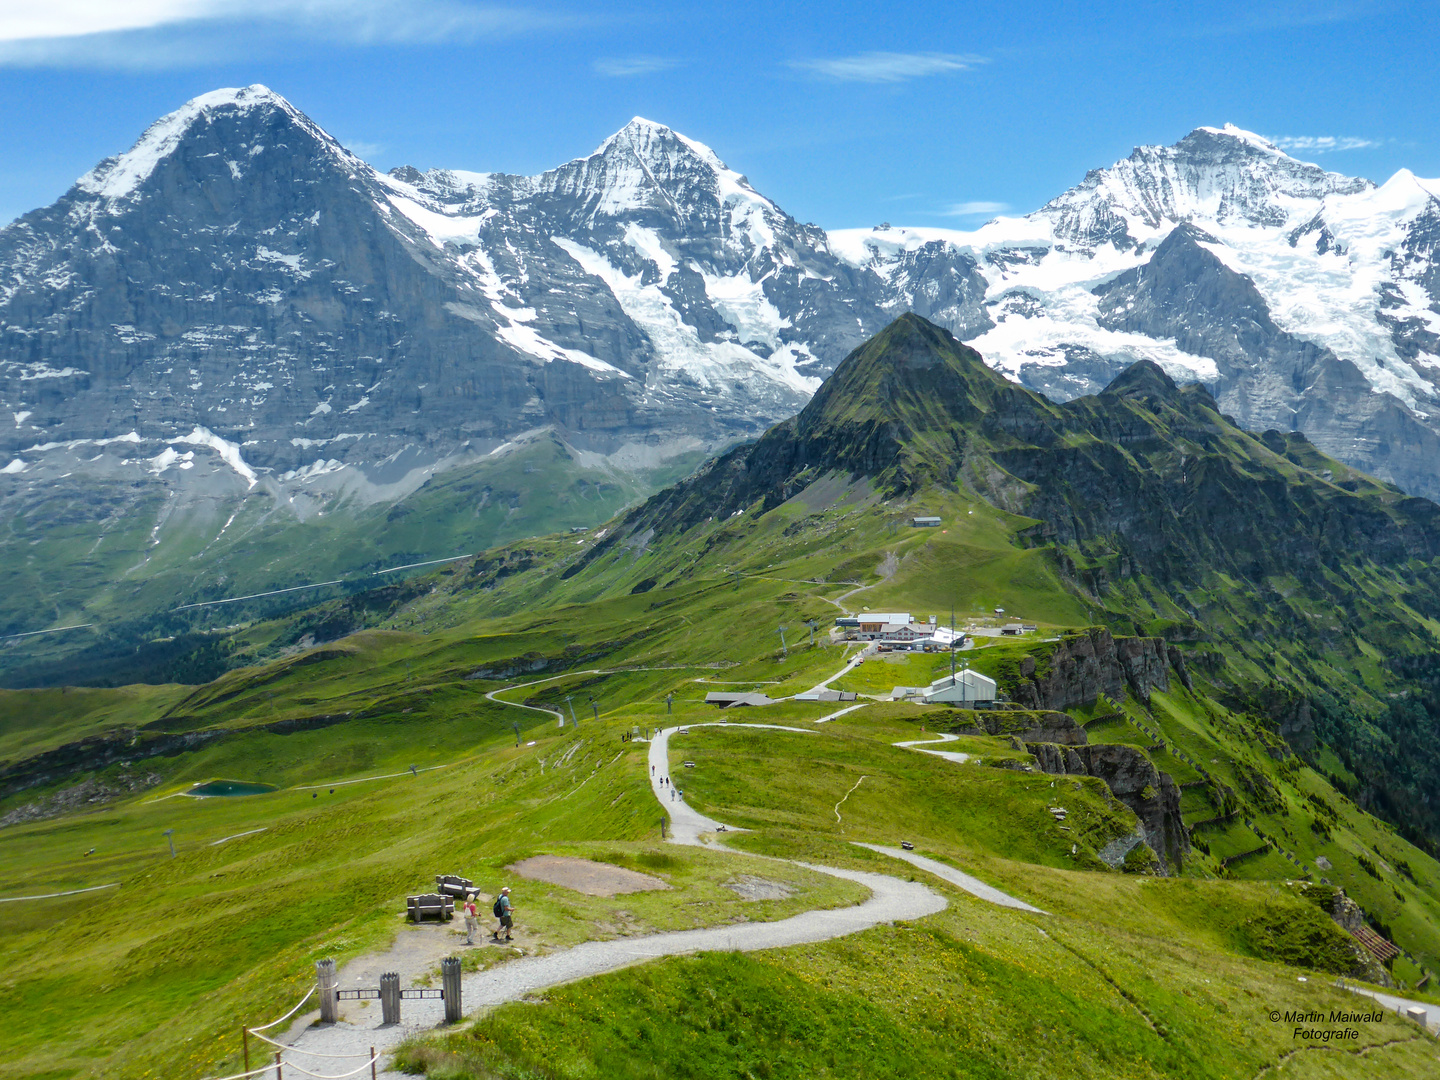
x: 948, y: 755
x: 958, y: 878
x: 1399, y: 1004
x: 686, y: 824
x: 842, y: 712
x: 339, y: 1048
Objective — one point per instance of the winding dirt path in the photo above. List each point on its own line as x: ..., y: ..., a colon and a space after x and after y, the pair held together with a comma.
x: 336, y: 1049
x: 949, y: 755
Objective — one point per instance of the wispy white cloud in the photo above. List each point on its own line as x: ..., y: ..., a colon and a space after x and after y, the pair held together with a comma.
x: 887, y: 67
x: 619, y: 67
x: 24, y: 19
x: 974, y: 209
x: 168, y: 33
x: 1323, y: 144
x: 361, y: 149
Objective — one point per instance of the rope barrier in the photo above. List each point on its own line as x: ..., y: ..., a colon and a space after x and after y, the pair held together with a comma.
x: 312, y: 1053
x: 292, y: 1012
x: 241, y: 1076
x: 333, y: 1076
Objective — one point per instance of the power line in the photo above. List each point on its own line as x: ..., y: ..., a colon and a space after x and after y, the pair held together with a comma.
x: 411, y: 566
x: 52, y: 630
x: 254, y: 596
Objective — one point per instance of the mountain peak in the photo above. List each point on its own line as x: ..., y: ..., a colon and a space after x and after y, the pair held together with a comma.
x: 1145, y: 380
x: 912, y: 377
x: 1239, y: 134
x: 654, y: 142
x: 117, y: 178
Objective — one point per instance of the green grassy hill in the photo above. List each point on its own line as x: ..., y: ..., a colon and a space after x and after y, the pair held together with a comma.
x: 1244, y: 625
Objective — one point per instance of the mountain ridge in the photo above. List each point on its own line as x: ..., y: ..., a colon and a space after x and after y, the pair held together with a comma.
x: 254, y: 325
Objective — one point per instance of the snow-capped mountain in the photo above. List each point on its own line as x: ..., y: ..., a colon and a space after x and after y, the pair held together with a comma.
x: 1304, y: 299
x: 240, y: 299
x: 240, y: 274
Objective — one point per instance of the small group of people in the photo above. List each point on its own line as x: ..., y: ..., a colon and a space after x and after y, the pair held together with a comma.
x: 503, y: 910
x: 665, y: 783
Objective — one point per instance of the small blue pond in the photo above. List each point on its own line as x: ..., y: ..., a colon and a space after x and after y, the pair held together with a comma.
x: 228, y: 788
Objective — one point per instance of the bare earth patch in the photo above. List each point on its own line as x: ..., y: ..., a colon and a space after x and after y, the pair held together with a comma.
x: 582, y: 875
x: 757, y: 888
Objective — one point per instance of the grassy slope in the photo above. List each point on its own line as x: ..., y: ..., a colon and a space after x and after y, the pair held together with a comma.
x: 1129, y: 977
x: 694, y: 627
x: 227, y: 932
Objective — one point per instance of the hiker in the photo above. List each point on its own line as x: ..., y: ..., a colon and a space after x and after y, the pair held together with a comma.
x: 504, y: 912
x: 472, y: 919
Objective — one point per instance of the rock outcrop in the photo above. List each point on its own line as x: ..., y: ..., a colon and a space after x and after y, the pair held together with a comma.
x: 1134, y: 780
x: 1088, y: 664
x: 1041, y: 727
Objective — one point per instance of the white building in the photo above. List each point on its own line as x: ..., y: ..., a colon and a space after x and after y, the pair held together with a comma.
x: 967, y: 687
x: 880, y: 624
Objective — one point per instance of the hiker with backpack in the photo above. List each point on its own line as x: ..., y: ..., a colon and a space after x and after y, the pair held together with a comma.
x: 504, y: 912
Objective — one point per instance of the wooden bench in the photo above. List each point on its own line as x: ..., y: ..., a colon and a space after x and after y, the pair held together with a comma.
x: 454, y: 885
x: 436, y: 904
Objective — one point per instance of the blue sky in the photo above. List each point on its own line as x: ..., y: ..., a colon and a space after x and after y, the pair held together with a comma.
x: 846, y: 114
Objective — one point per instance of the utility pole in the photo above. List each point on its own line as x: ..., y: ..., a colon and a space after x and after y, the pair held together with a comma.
x: 516, y: 726
x: 573, y: 721
x: 670, y: 703
x: 952, y: 643
x: 783, y: 647
x: 170, y: 835
x: 812, y: 623
x: 594, y: 708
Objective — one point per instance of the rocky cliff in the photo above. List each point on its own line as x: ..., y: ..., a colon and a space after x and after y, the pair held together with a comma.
x: 1134, y: 780
x: 1085, y: 665
x: 1046, y: 727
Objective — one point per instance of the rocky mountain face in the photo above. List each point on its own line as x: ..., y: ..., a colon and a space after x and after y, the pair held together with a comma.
x: 239, y: 281
x: 241, y: 288
x: 1303, y: 300
x: 1084, y: 666
x: 238, y: 320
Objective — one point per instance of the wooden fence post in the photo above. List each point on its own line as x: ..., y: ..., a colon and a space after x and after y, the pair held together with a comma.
x: 279, y: 1074
x: 325, y: 981
x: 450, y: 981
x: 372, y: 1063
x: 390, y: 998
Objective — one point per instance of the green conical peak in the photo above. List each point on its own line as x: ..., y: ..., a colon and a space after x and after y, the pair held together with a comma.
x: 913, y: 374
x: 1143, y: 379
